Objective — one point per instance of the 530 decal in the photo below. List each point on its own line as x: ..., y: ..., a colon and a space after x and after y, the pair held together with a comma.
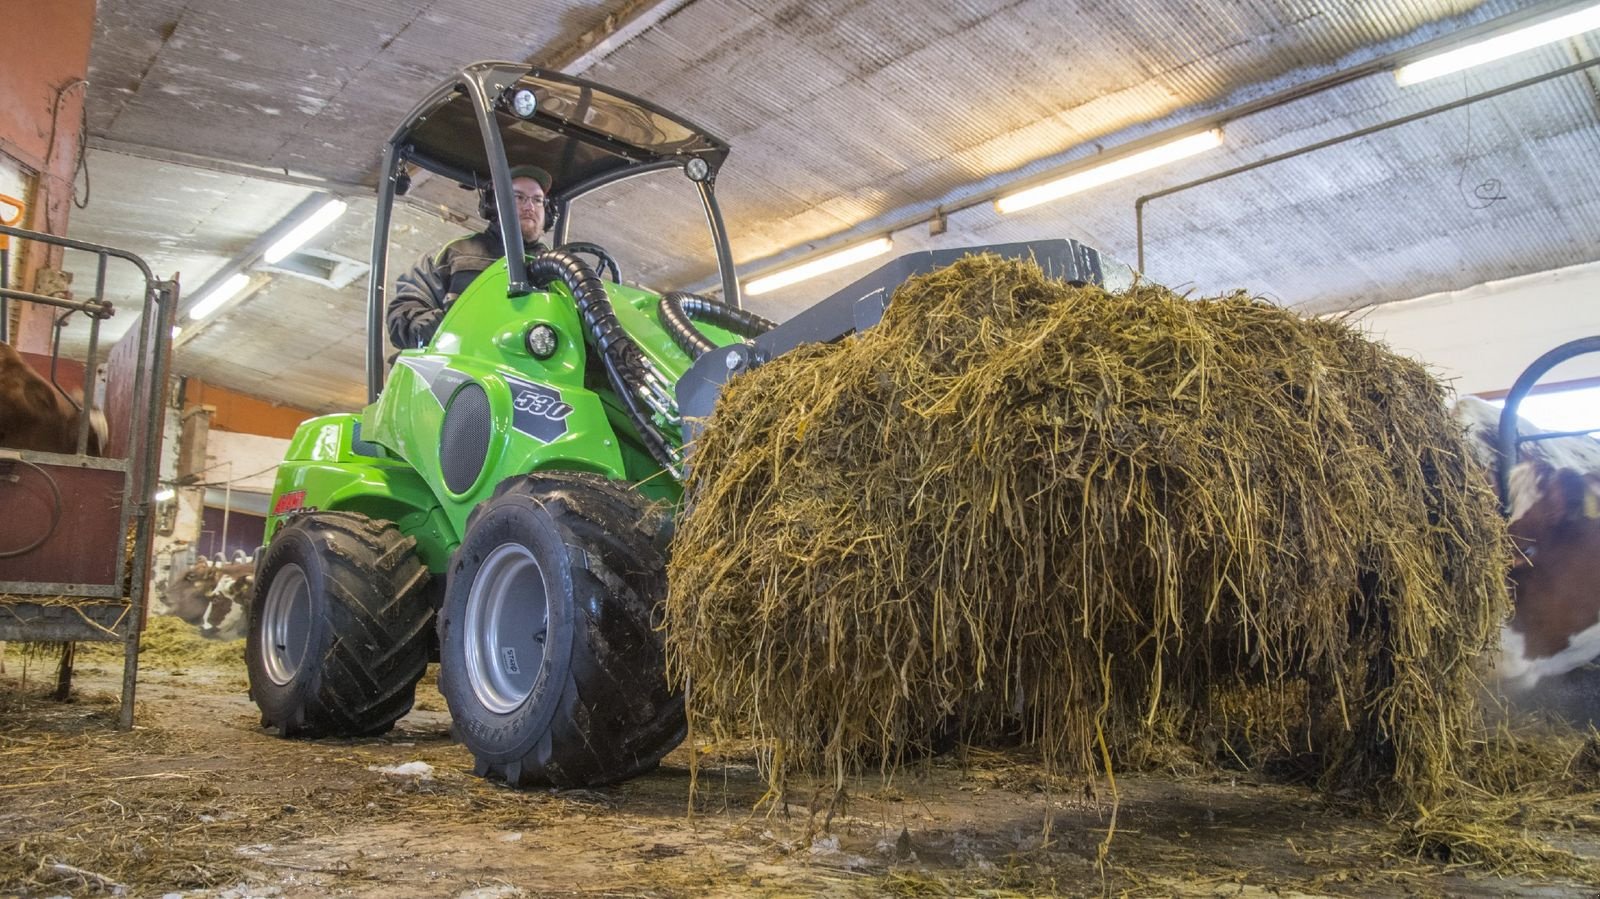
x: 537, y: 410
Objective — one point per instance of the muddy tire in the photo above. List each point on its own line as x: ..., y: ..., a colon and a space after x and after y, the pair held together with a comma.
x: 550, y: 659
x: 339, y: 627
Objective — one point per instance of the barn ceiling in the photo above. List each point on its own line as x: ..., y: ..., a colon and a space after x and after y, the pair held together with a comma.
x: 211, y: 121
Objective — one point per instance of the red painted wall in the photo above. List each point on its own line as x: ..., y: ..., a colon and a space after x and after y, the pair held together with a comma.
x: 69, y: 372
x: 47, y: 53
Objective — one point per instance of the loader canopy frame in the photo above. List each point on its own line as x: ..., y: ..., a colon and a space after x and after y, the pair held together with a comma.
x: 469, y: 130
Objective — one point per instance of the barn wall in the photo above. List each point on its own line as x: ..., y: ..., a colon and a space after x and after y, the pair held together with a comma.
x: 1484, y: 336
x: 233, y: 438
x: 51, y: 41
x: 249, y: 461
x: 243, y: 414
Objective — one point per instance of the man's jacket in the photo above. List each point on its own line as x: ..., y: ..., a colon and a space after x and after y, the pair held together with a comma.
x: 422, y: 295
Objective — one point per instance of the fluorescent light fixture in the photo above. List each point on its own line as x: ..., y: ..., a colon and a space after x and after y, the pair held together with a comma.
x: 224, y: 292
x: 176, y: 330
x: 1105, y: 173
x: 1499, y: 47
x: 299, y: 234
x: 819, y: 266
x: 165, y: 494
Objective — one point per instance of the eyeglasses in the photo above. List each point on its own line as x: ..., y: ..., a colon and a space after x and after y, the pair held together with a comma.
x: 528, y: 199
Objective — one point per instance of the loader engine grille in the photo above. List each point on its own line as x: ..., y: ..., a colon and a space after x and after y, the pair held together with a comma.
x: 464, y: 438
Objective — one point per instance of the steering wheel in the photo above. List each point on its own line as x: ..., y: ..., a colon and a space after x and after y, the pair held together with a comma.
x: 604, y: 260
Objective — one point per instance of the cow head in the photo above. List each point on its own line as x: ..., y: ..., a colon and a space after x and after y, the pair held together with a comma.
x: 37, y: 415
x: 1555, y: 523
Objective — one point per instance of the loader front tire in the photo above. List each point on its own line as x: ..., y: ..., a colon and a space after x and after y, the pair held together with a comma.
x: 339, y: 627
x: 550, y: 660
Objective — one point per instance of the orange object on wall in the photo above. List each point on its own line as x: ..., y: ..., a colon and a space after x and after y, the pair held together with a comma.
x: 243, y: 414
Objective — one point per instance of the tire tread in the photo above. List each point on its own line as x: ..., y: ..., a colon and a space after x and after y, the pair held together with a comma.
x: 378, y: 611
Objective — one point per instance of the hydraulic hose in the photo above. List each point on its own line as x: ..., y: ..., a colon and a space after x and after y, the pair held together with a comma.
x: 680, y: 310
x: 55, y: 512
x: 625, y: 365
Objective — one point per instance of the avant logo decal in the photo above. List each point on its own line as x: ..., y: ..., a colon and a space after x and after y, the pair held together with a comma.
x: 537, y: 410
x: 326, y: 449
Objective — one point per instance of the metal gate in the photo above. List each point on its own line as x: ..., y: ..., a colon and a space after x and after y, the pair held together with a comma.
x: 76, y: 528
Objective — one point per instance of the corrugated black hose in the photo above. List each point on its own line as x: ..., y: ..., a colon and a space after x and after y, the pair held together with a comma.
x: 625, y: 365
x: 680, y: 310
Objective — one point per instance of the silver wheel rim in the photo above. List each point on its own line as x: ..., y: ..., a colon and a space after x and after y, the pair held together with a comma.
x: 505, y: 625
x: 286, y: 624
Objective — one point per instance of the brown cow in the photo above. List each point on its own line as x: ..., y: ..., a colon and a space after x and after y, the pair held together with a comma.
x: 1555, y: 521
x: 35, y: 415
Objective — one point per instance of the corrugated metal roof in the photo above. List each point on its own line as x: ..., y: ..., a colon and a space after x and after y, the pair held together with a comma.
x: 847, y: 116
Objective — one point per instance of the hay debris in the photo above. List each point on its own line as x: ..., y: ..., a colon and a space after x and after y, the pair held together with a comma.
x: 170, y: 642
x: 1018, y: 501
x: 83, y: 805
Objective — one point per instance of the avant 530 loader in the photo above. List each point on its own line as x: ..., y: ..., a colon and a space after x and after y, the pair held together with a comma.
x: 510, y: 487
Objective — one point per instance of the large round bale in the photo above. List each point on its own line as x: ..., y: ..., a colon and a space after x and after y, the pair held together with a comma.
x: 1019, y: 503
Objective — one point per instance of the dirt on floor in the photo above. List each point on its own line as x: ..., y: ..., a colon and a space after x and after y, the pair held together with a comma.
x: 199, y: 800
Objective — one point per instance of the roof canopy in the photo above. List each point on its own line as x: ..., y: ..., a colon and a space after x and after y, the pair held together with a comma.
x: 580, y: 132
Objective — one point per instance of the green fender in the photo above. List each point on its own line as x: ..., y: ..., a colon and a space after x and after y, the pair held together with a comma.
x: 329, y: 467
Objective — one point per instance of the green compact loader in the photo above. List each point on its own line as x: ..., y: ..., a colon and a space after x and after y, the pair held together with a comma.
x: 505, y: 500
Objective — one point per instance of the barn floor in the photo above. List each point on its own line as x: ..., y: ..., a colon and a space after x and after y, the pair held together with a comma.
x: 198, y: 800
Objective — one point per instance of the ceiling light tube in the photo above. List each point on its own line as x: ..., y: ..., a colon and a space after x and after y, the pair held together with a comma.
x: 1105, y: 173
x: 819, y: 266
x: 313, y: 224
x: 222, y: 293
x: 164, y: 494
x: 1499, y: 46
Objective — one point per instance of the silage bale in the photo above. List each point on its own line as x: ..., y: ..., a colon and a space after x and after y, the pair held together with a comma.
x: 1016, y: 502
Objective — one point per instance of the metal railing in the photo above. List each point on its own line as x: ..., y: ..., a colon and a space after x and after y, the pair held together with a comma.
x: 49, y: 611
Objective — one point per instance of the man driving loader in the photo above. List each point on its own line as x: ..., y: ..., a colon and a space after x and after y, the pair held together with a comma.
x: 423, y: 294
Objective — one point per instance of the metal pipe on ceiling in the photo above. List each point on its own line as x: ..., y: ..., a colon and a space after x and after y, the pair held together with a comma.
x: 1139, y: 204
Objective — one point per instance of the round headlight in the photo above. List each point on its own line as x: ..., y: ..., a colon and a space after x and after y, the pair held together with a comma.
x: 541, y: 341
x: 697, y: 169
x: 523, y: 102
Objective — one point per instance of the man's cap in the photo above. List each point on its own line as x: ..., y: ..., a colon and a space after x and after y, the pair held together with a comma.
x: 534, y: 172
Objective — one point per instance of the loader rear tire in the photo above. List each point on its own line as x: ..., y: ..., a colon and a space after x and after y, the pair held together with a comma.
x: 550, y: 657
x: 339, y: 628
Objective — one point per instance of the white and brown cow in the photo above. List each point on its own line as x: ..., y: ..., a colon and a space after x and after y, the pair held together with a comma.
x: 213, y: 596
x: 1555, y: 577
x: 1481, y: 419
x: 225, y: 617
x: 1554, y: 629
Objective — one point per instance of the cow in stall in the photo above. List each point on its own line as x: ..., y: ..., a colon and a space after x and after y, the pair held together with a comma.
x: 186, y: 599
x: 1555, y: 522
x: 37, y: 415
x: 1549, y: 646
x: 213, y: 596
x: 225, y: 617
